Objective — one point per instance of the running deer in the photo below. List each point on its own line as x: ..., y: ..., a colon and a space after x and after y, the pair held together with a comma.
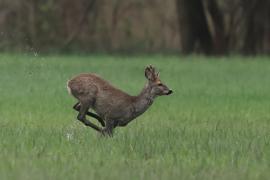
x: 113, y: 107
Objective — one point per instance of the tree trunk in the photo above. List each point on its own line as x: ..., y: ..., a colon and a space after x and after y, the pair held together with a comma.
x: 256, y: 21
x: 194, y: 31
x: 219, y: 37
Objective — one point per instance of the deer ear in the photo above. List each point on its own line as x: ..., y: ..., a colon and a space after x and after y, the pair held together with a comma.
x: 149, y: 73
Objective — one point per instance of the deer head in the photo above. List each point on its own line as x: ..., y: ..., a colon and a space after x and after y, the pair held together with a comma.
x: 157, y: 88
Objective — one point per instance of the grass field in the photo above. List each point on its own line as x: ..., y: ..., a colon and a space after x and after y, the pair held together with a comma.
x: 216, y: 125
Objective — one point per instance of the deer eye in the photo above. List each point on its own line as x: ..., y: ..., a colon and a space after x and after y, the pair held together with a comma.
x: 159, y: 84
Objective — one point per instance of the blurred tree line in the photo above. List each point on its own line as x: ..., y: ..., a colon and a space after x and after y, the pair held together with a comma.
x: 187, y: 26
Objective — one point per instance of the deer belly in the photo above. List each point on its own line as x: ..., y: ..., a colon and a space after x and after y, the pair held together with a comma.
x: 112, y: 110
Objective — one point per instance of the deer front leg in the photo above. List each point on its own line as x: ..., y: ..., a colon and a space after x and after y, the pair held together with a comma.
x: 81, y: 117
x: 77, y: 107
x: 108, y: 130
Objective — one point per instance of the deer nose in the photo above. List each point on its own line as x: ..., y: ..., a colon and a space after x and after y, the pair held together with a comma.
x: 169, y: 92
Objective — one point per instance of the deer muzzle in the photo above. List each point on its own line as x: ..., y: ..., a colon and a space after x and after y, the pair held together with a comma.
x: 169, y: 92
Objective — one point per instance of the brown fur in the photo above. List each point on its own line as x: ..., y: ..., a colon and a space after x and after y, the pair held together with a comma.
x: 112, y: 105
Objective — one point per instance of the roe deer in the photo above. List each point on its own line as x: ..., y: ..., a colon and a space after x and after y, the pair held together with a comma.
x: 113, y: 106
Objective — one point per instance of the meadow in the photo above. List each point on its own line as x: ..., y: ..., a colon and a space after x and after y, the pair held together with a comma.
x: 216, y: 125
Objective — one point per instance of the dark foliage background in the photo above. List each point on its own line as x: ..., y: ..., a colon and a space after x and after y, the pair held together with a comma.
x: 186, y: 26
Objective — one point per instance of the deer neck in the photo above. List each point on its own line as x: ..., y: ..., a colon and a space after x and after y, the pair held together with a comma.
x: 143, y: 101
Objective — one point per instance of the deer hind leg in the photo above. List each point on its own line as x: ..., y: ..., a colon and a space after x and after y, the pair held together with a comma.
x: 81, y: 117
x: 77, y: 107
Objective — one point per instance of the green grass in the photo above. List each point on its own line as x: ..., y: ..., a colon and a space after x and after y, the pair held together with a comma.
x: 216, y: 125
